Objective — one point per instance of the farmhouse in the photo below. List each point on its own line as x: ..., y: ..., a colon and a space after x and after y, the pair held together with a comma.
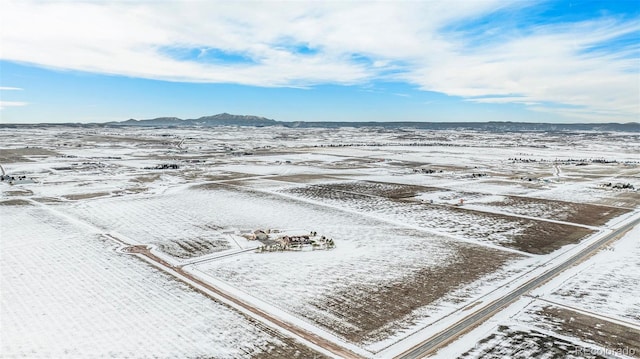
x: 290, y: 240
x: 4, y: 177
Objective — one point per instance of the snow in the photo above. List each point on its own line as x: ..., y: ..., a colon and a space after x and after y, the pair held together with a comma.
x: 64, y: 279
x: 289, y: 280
x: 66, y: 292
x: 603, y: 287
x: 607, y: 283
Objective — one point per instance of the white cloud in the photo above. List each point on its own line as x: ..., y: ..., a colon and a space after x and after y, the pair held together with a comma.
x: 351, y: 43
x: 552, y: 64
x: 5, y: 88
x: 503, y: 99
x: 5, y: 104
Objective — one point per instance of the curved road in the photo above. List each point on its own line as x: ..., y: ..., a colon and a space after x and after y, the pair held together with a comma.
x: 444, y: 337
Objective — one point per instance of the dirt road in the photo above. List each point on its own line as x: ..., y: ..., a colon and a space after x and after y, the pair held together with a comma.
x: 276, y: 322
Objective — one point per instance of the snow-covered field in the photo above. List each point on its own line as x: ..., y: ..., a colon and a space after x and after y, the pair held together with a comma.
x: 370, y: 256
x: 479, y: 224
x: 67, y: 292
x: 589, y: 311
x: 409, y: 254
x: 609, y: 283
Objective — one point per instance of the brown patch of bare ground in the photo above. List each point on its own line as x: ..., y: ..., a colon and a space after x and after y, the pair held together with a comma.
x: 19, y: 192
x: 514, y: 180
x: 225, y: 176
x: 581, y: 213
x: 302, y: 178
x: 519, y: 344
x: 368, y: 310
x: 127, y: 139
x: 590, y: 329
x: 47, y: 199
x: 146, y: 179
x: 625, y: 199
x: 15, y: 202
x: 378, y: 189
x: 286, y: 348
x: 535, y: 236
x: 194, y: 247
x: 75, y: 197
x: 352, y: 163
x: 539, y: 237
x: 10, y: 155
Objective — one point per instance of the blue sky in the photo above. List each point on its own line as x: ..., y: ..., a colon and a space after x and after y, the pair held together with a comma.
x: 484, y: 60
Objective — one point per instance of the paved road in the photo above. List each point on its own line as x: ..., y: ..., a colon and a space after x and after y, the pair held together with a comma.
x: 483, y: 314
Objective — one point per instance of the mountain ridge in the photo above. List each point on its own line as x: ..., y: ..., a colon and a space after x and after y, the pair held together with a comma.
x: 227, y: 119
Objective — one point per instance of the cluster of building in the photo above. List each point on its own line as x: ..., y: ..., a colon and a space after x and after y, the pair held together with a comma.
x: 425, y: 170
x: 4, y: 177
x: 164, y: 166
x: 15, y: 180
x: 275, y: 240
x: 618, y: 185
x: 478, y: 175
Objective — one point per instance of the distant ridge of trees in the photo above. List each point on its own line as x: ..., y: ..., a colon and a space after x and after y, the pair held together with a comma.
x: 226, y: 119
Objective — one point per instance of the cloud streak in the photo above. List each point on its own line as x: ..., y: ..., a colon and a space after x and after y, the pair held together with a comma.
x: 548, y: 67
x: 5, y: 104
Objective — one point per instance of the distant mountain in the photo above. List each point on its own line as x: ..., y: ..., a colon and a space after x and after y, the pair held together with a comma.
x: 225, y: 119
x: 222, y: 119
x: 160, y: 121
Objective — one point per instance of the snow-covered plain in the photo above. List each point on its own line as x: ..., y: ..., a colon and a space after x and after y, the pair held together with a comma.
x: 407, y: 255
x: 369, y: 254
x: 589, y: 311
x: 67, y: 292
x: 609, y: 283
